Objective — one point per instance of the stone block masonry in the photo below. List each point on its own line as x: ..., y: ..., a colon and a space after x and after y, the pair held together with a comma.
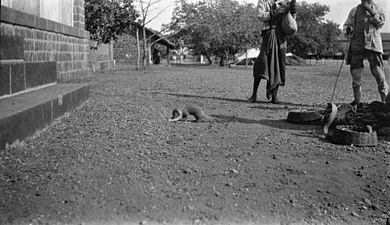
x: 17, y: 76
x: 39, y: 60
x: 79, y: 14
x: 70, y: 53
x: 11, y: 47
x: 35, y: 39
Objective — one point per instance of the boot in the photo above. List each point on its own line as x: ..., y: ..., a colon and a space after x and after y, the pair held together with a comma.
x: 380, y: 78
x: 357, y: 94
x: 383, y: 95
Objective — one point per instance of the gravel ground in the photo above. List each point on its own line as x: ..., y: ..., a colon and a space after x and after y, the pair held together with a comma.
x: 117, y: 160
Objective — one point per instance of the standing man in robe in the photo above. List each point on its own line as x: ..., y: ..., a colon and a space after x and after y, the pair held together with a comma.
x: 270, y: 65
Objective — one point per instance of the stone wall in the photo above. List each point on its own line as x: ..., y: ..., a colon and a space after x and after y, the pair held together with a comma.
x: 102, y: 57
x: 34, y: 45
x: 79, y: 14
x: 125, y: 50
x: 27, y: 38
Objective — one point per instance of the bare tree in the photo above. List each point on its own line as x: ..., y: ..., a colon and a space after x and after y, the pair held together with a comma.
x: 148, y: 8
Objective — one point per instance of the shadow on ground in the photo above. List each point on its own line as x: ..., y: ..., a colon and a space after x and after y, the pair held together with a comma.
x: 282, y: 105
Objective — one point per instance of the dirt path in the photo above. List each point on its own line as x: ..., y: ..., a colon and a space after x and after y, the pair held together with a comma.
x: 116, y: 159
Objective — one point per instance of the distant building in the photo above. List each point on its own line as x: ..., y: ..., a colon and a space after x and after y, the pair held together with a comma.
x: 125, y: 48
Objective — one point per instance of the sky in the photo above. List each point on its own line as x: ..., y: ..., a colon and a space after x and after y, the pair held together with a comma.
x: 339, y: 10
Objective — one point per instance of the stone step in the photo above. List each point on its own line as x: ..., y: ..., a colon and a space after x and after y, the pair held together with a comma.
x: 22, y: 115
x: 19, y: 76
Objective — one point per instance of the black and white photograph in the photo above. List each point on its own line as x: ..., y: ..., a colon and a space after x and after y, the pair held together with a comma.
x: 195, y: 112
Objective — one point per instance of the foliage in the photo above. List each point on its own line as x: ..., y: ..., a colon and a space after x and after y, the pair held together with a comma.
x: 107, y: 19
x: 215, y: 27
x: 315, y: 34
x: 223, y: 27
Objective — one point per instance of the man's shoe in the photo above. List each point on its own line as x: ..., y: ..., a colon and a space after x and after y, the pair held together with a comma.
x: 268, y: 94
x: 355, y: 102
x: 275, y: 100
x: 252, y: 99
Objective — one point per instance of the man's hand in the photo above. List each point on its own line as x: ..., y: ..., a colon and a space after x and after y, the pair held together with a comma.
x: 282, y: 10
x: 367, y: 7
x: 349, y: 31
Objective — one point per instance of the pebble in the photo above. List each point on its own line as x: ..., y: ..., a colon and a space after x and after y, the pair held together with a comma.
x: 367, y: 201
x: 374, y: 207
x: 234, y: 171
x: 354, y: 214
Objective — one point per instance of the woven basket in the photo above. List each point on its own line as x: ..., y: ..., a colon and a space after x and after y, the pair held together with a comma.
x: 304, y: 116
x: 355, y: 135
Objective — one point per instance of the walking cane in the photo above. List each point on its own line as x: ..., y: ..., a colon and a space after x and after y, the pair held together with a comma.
x: 342, y: 64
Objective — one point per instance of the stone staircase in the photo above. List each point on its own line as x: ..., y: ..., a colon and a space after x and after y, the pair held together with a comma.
x: 30, y: 98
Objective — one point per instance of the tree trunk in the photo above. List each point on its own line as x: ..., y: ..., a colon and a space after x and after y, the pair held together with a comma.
x: 150, y: 54
x: 222, y: 61
x: 227, y: 58
x: 246, y: 57
x: 209, y: 59
x: 168, y: 57
x: 138, y: 49
x: 144, y: 47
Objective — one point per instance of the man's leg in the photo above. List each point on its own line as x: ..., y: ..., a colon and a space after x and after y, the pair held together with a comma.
x: 258, y: 74
x: 256, y: 83
x: 275, y: 99
x: 356, y: 68
x: 282, y: 65
x: 376, y: 67
x: 282, y: 71
x: 357, y: 84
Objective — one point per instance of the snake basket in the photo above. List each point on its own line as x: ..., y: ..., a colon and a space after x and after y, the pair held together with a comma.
x: 301, y: 116
x: 355, y: 135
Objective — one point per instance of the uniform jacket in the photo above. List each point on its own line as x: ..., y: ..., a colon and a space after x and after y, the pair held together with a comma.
x: 372, y: 37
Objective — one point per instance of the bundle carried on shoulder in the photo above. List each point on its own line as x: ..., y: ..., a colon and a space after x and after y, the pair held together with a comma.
x: 289, y: 24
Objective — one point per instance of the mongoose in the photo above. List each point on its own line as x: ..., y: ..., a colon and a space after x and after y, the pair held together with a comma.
x: 182, y: 114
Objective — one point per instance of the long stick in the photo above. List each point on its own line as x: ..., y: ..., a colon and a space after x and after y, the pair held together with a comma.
x: 338, y: 74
